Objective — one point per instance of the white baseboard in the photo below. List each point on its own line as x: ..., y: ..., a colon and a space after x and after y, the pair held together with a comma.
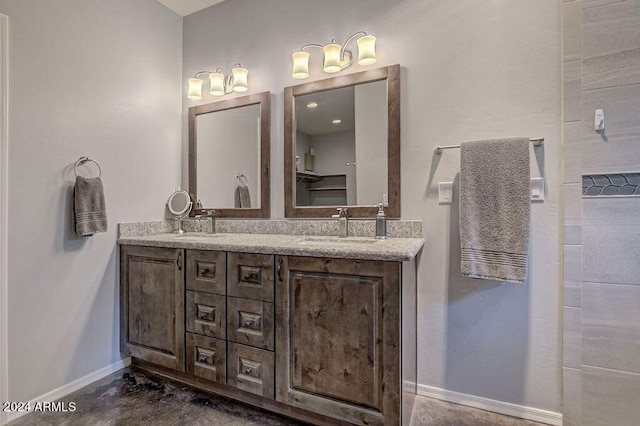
x: 75, y: 385
x: 527, y: 413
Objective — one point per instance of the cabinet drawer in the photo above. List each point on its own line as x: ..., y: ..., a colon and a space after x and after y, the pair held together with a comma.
x: 206, y: 271
x: 250, y: 276
x: 206, y: 358
x: 250, y: 322
x: 206, y: 314
x: 251, y: 369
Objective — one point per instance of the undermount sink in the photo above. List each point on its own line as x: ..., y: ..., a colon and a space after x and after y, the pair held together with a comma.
x: 192, y: 235
x: 333, y: 241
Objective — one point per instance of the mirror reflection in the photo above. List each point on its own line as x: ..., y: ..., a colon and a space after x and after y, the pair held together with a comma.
x: 341, y: 141
x: 228, y: 158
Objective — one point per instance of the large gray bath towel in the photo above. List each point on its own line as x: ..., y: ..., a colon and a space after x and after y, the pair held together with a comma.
x: 495, y: 209
x: 242, y: 196
x: 89, y: 206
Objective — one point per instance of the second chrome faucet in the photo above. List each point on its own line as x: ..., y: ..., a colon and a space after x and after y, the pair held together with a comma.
x: 342, y: 222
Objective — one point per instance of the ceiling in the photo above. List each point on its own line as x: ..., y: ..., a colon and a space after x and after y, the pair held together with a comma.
x: 187, y: 7
x: 332, y: 104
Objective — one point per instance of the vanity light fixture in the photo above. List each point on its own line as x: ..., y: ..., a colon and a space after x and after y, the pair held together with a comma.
x: 336, y: 57
x: 219, y: 83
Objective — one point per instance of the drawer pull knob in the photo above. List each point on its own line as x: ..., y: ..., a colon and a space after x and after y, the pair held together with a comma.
x: 248, y: 323
x: 202, y: 315
x: 248, y: 370
x: 204, y: 358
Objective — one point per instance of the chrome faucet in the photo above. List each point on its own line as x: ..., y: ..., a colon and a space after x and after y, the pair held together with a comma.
x: 342, y: 221
x: 211, y: 214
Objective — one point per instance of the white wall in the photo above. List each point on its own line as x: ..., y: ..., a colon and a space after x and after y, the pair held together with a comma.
x: 230, y: 139
x: 469, y: 70
x: 96, y: 78
x: 332, y: 152
x: 371, y: 142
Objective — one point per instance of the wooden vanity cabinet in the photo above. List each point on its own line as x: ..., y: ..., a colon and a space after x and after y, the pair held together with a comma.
x: 314, y: 338
x: 337, y: 338
x: 152, y: 305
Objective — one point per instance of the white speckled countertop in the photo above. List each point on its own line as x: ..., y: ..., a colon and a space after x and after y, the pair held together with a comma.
x: 391, y: 249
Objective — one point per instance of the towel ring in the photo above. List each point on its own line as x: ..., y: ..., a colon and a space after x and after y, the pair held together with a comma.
x: 83, y: 160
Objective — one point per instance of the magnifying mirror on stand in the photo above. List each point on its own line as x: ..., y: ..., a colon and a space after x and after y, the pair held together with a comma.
x: 179, y: 205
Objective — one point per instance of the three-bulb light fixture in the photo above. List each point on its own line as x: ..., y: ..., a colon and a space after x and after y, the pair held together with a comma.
x: 219, y: 83
x: 336, y: 57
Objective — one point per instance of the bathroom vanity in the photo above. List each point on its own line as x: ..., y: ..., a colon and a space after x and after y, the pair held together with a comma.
x: 321, y: 329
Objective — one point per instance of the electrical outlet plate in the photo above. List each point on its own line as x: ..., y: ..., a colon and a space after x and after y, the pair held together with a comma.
x: 537, y: 189
x: 445, y: 192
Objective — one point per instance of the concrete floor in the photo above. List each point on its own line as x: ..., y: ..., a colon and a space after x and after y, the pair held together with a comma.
x: 134, y: 397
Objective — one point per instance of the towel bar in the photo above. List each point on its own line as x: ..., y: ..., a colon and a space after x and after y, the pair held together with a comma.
x: 83, y: 160
x: 438, y: 150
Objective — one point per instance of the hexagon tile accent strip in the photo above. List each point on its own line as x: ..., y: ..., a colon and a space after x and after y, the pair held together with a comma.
x: 611, y: 185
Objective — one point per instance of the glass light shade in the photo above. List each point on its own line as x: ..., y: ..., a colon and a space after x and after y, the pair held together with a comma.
x: 240, y: 79
x: 217, y: 84
x: 366, y: 50
x: 300, y: 64
x: 195, y: 88
x: 332, y: 58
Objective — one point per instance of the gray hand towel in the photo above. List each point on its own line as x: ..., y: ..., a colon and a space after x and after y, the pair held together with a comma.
x: 242, y: 196
x: 89, y: 206
x: 495, y: 209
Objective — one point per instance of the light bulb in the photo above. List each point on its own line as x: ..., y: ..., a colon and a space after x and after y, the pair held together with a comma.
x: 217, y: 84
x: 332, y: 58
x: 366, y: 50
x: 300, y: 64
x: 240, y: 79
x: 195, y: 88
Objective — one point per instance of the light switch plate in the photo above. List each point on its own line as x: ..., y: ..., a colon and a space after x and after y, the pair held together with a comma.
x: 445, y: 192
x: 537, y: 189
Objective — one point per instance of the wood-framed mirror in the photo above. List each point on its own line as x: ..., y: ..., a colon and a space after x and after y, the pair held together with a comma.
x: 229, y: 157
x: 342, y: 145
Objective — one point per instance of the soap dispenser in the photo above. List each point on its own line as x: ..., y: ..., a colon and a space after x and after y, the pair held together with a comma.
x: 381, y: 223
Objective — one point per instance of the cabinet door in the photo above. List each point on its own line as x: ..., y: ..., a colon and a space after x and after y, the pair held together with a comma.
x: 250, y: 369
x: 207, y: 271
x: 206, y: 314
x: 152, y: 304
x: 250, y: 322
x: 207, y: 358
x: 338, y: 344
x: 250, y: 276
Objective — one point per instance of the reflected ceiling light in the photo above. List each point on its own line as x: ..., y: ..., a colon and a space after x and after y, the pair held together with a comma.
x: 336, y: 57
x: 337, y: 121
x: 312, y: 105
x: 219, y: 83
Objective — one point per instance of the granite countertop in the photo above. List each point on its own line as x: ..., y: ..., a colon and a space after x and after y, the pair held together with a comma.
x: 391, y: 249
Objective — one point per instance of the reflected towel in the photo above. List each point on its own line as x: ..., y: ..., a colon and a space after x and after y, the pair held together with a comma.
x: 242, y: 197
x: 90, y: 210
x: 495, y: 208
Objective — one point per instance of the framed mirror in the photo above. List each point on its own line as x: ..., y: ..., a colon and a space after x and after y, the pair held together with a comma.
x: 229, y: 157
x: 342, y: 145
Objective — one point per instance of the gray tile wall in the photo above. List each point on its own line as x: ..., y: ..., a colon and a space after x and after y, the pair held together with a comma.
x: 601, y: 362
x: 572, y: 196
